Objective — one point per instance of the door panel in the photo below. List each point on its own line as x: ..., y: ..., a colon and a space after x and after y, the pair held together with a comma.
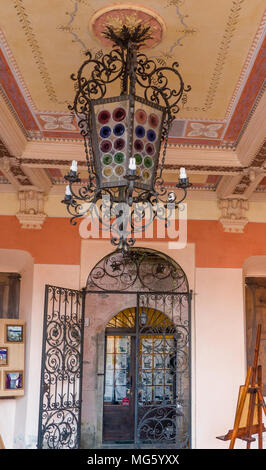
x: 149, y: 369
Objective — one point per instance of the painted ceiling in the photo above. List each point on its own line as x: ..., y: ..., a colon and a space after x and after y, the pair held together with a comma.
x: 220, y: 48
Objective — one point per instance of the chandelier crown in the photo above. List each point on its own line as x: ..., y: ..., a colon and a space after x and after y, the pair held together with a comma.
x: 134, y: 34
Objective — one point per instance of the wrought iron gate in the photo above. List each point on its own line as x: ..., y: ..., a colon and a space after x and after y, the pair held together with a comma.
x: 162, y: 331
x: 61, y: 372
x: 162, y: 404
x: 161, y: 325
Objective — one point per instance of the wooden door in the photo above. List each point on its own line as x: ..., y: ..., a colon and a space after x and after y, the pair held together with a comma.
x: 118, y: 409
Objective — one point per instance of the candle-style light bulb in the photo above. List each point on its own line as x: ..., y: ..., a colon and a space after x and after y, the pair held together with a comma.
x: 74, y: 166
x: 132, y: 164
x: 68, y: 190
x: 182, y: 174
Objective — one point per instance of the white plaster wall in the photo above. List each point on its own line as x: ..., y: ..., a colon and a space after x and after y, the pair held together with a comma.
x: 7, y: 421
x: 220, y: 366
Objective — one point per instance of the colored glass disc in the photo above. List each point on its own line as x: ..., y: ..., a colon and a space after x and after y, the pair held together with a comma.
x: 148, y: 162
x: 119, y: 144
x: 119, y: 114
x: 140, y: 132
x: 138, y: 145
x: 105, y: 132
x: 107, y: 159
x: 151, y: 135
x: 119, y: 170
x: 149, y: 149
x: 141, y: 116
x: 119, y: 157
x: 106, y: 146
x: 104, y: 116
x: 138, y: 158
x: 119, y: 129
x: 107, y: 172
x: 146, y: 174
x: 153, y: 120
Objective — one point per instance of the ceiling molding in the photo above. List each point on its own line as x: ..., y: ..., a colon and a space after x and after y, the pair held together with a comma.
x: 254, y: 135
x: 227, y: 185
x: 38, y: 177
x: 10, y: 131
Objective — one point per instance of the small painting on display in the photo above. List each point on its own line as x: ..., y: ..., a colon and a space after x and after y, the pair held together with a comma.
x: 13, y: 380
x: 14, y: 333
x: 3, y: 356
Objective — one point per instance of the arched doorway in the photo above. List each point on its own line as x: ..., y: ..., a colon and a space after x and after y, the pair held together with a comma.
x: 141, y: 368
x: 142, y: 302
x: 138, y: 307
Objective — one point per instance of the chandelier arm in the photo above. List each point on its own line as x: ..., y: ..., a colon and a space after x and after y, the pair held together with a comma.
x: 74, y: 210
x: 176, y: 203
x: 140, y: 216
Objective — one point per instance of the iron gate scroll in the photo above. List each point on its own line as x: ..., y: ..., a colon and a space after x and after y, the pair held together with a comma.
x: 61, y: 372
x: 163, y: 370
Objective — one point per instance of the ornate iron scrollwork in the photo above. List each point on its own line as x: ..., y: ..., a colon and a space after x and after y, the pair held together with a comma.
x: 60, y: 406
x: 140, y: 269
x: 163, y: 409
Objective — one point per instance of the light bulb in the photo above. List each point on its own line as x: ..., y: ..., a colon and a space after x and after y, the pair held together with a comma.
x: 132, y: 164
x: 74, y: 166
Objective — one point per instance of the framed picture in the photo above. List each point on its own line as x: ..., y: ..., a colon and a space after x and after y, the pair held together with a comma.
x: 13, y: 379
x: 14, y: 333
x: 3, y: 356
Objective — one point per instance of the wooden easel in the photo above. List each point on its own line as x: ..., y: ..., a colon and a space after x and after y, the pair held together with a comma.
x: 2, y: 446
x: 248, y: 417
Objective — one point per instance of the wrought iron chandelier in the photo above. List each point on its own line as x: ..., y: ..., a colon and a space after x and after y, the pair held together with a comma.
x: 124, y: 136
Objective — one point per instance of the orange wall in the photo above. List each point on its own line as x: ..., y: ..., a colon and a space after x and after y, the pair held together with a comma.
x: 58, y: 242
x: 216, y: 248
